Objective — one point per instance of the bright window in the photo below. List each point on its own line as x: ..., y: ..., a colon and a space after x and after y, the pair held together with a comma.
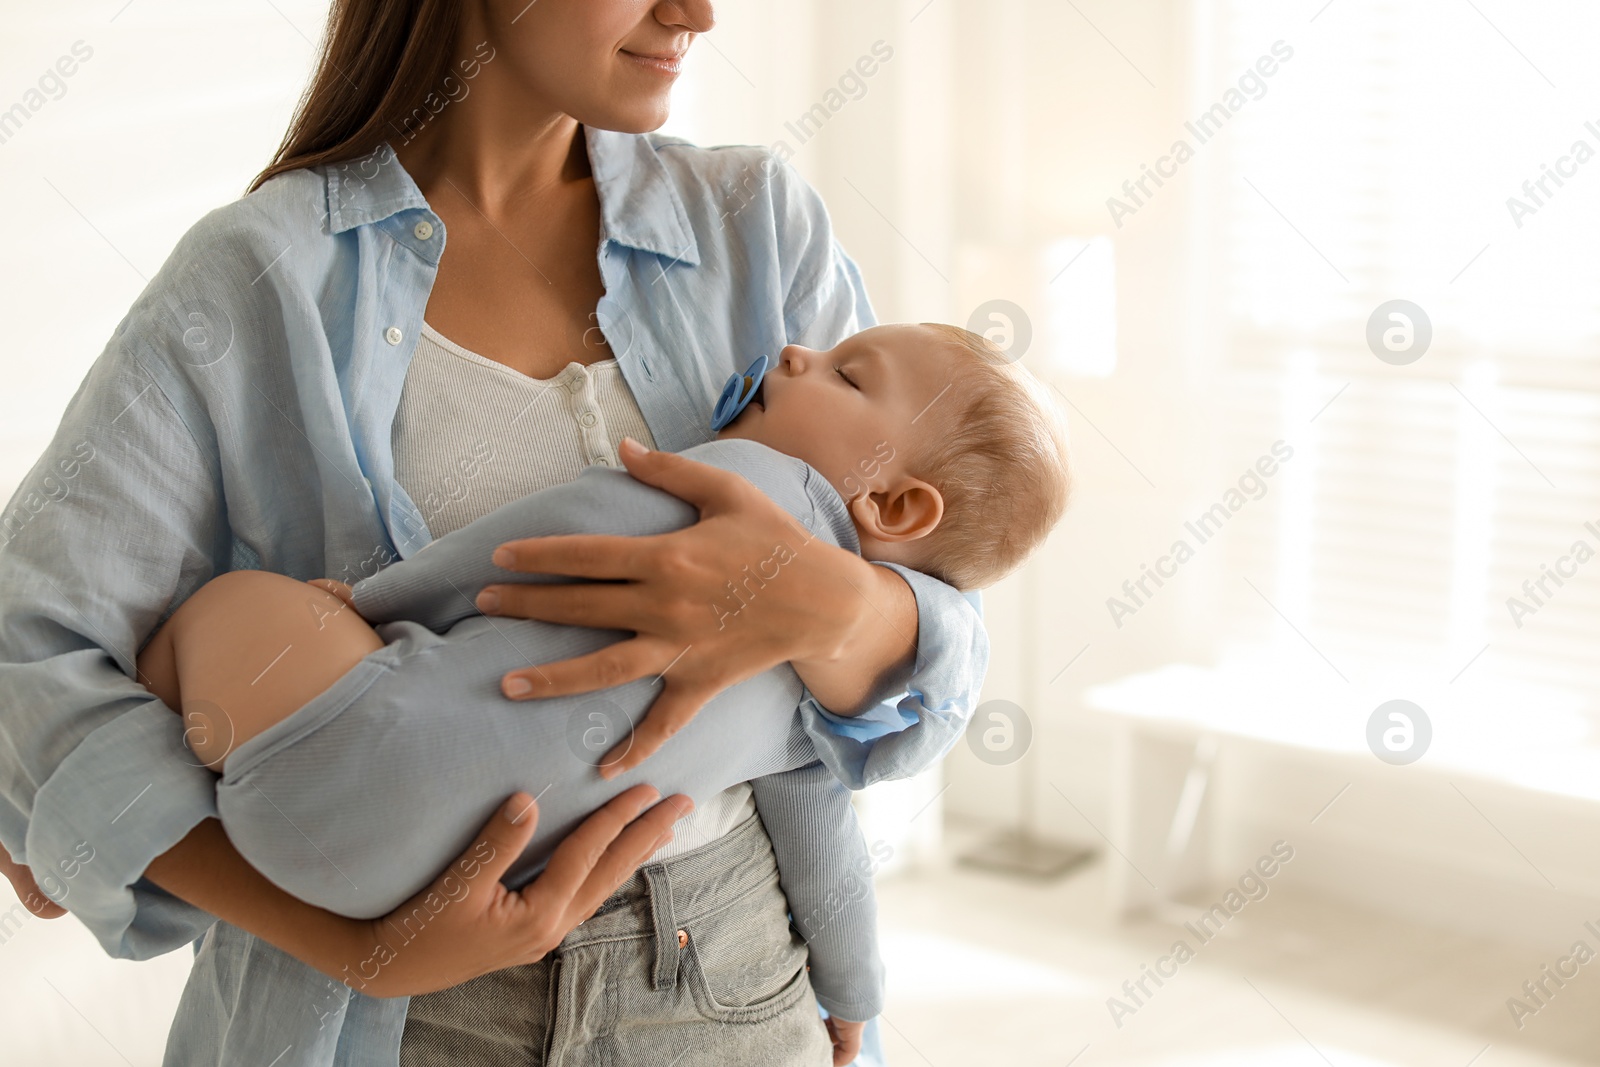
x: 1379, y: 162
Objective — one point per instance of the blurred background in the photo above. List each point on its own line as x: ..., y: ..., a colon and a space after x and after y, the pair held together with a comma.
x: 1317, y: 282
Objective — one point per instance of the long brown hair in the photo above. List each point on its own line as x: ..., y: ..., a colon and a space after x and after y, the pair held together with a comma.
x: 379, y: 59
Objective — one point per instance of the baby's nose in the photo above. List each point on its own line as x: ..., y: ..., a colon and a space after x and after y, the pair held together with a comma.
x: 795, y: 358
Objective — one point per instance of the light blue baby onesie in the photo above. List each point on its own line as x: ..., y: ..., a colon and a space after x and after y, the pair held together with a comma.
x: 415, y: 748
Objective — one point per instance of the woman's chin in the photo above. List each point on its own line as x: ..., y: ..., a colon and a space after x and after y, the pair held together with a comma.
x: 641, y: 116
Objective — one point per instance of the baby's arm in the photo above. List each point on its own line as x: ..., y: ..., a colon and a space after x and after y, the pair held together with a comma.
x: 826, y: 872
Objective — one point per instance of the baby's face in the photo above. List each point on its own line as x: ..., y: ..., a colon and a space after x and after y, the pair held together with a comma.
x: 857, y: 411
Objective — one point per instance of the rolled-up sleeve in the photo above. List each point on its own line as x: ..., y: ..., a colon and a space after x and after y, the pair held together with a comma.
x: 114, y: 525
x: 913, y: 723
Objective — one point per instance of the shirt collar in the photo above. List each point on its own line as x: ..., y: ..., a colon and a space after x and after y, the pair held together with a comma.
x: 639, y: 204
x: 370, y: 189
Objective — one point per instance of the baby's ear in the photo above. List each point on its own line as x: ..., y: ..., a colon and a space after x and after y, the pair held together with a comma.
x: 906, y: 511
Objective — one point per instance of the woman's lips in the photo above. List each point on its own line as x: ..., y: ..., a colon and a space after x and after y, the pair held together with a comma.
x: 668, y: 63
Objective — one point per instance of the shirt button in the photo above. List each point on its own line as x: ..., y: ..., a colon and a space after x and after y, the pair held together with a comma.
x: 393, y: 335
x: 423, y: 230
x: 683, y: 938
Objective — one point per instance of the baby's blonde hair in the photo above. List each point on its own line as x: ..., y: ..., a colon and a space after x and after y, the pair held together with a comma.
x: 997, y: 453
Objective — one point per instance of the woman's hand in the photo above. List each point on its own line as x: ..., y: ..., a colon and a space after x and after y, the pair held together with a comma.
x: 744, y: 589
x: 21, y: 879
x: 467, y: 923
x: 338, y: 589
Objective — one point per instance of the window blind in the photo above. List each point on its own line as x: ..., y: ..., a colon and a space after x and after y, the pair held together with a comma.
x: 1387, y: 159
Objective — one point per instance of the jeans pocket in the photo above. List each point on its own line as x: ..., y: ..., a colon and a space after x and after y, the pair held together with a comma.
x: 745, y: 963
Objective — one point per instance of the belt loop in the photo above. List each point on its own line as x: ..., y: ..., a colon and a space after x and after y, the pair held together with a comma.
x: 667, y: 949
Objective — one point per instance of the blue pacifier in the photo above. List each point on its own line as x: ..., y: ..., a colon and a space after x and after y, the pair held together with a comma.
x: 737, y: 393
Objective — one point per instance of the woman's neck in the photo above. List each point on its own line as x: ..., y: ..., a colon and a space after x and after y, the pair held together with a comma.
x: 488, y: 148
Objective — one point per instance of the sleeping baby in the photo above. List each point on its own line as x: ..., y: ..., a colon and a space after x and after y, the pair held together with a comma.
x: 920, y: 446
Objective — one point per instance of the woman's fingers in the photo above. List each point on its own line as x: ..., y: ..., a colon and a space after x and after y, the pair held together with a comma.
x: 488, y: 927
x: 455, y: 943
x: 502, y: 839
x: 604, y: 607
x: 671, y: 711
x: 583, y: 849
x: 43, y: 907
x: 614, y: 665
x: 577, y: 555
x: 711, y: 489
x: 27, y: 890
x: 634, y: 846
x: 336, y: 587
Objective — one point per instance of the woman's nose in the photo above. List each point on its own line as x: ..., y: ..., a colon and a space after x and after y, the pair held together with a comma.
x: 696, y: 16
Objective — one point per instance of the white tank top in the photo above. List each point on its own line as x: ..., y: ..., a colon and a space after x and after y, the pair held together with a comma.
x: 471, y: 434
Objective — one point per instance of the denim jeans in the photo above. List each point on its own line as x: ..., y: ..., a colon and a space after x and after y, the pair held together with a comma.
x: 692, y: 963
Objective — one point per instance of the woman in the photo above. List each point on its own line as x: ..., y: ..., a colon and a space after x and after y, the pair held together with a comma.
x: 302, y: 389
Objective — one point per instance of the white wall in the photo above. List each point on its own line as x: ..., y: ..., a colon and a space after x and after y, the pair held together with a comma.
x: 998, y: 126
x: 1087, y: 115
x: 166, y: 120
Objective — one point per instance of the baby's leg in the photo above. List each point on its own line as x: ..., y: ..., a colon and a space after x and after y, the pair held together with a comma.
x: 247, y: 650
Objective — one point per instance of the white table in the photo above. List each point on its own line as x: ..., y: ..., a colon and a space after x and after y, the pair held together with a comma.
x: 1169, y: 724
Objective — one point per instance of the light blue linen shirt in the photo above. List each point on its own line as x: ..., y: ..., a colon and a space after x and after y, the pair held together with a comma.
x: 240, y: 417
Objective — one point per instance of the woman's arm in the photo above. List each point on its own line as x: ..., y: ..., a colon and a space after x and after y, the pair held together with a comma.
x: 822, y: 612
x: 120, y: 518
x: 877, y: 612
x: 477, y: 925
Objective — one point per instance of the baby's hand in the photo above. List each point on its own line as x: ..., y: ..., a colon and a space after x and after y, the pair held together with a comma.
x: 338, y: 589
x: 846, y: 1039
